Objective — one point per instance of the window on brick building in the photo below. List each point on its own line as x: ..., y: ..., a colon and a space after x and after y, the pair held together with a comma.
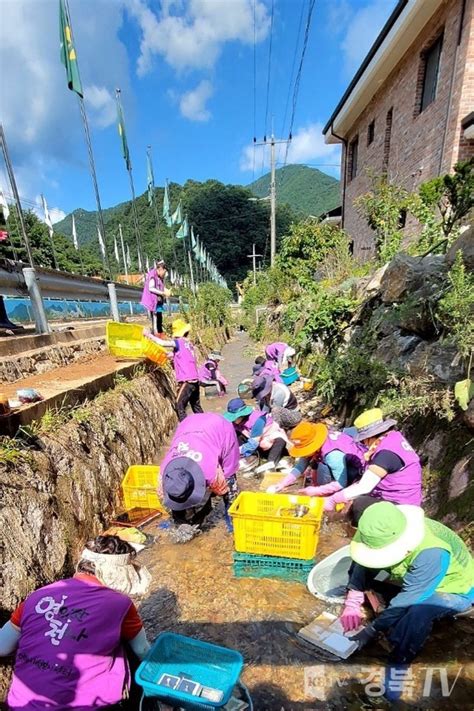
x: 388, y: 138
x: 353, y: 156
x: 371, y: 132
x: 430, y: 59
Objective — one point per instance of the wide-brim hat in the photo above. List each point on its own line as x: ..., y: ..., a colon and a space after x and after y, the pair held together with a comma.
x: 261, y: 387
x: 180, y: 327
x: 244, y: 389
x: 387, y: 534
x: 371, y: 423
x: 184, y: 484
x: 307, y: 438
x: 237, y: 408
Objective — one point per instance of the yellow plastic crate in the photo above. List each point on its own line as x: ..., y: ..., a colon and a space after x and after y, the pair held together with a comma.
x: 261, y: 530
x: 126, y: 340
x: 139, y: 488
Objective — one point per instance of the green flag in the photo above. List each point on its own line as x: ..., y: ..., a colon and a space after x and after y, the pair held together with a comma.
x: 177, y: 216
x: 122, y: 134
x: 166, y: 207
x: 150, y: 179
x: 183, y: 230
x: 67, y: 51
x: 193, y: 240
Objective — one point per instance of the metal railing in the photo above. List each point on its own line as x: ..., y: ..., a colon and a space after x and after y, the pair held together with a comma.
x: 39, y: 283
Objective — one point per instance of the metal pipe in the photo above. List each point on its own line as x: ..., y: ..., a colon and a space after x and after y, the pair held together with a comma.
x: 114, y: 309
x: 39, y: 314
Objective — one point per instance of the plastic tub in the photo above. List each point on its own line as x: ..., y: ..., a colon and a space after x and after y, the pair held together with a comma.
x: 290, y: 375
x: 205, y: 663
x: 260, y: 529
x: 265, y: 566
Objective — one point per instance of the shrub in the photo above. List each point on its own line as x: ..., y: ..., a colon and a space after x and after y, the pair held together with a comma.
x: 456, y: 309
x: 211, y: 305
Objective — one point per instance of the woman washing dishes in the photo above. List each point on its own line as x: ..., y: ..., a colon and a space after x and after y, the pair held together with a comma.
x: 277, y: 399
x: 154, y: 295
x: 201, y: 461
x: 430, y: 562
x: 69, y: 636
x: 333, y: 459
x: 393, y: 470
x: 256, y: 431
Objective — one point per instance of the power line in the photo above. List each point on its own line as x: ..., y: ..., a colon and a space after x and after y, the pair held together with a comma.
x: 300, y: 69
x: 268, y: 80
x: 300, y: 24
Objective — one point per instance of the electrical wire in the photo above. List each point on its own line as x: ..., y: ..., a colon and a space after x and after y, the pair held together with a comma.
x: 298, y: 35
x: 270, y: 46
x: 299, y: 72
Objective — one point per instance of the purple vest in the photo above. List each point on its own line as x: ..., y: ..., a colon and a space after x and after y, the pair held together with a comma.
x: 69, y: 654
x: 246, y: 427
x: 274, y: 351
x: 269, y: 368
x: 344, y: 443
x: 150, y: 300
x: 208, y: 439
x: 184, y: 361
x: 404, y: 486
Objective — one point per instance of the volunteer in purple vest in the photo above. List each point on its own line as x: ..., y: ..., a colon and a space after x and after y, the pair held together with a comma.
x: 393, y: 470
x: 277, y: 399
x: 256, y: 431
x: 210, y: 374
x: 185, y: 369
x: 202, y: 461
x: 281, y: 353
x: 332, y: 459
x: 267, y: 368
x: 154, y: 295
x: 69, y: 636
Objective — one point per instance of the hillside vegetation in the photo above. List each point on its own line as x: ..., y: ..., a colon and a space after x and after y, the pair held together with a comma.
x: 306, y: 190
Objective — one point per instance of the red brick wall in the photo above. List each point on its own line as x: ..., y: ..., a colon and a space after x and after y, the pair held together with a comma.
x: 422, y: 145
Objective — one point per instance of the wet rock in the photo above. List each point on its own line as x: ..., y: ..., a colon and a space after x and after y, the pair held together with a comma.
x: 405, y: 275
x: 459, y: 479
x: 439, y: 359
x: 465, y: 243
x: 468, y: 416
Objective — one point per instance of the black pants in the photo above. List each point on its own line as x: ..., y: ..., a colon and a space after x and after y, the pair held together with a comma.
x: 359, y: 504
x: 275, y: 453
x: 188, y: 393
x: 157, y: 322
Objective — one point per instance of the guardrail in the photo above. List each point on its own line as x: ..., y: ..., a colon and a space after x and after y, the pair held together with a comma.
x: 38, y: 283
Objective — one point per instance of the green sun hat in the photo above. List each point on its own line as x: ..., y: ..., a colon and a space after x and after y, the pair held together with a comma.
x: 387, y: 533
x: 237, y: 408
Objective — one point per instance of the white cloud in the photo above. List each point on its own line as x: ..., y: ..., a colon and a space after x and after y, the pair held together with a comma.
x: 193, y: 103
x: 101, y: 105
x: 307, y: 146
x: 193, y: 39
x: 362, y: 30
x: 39, y: 113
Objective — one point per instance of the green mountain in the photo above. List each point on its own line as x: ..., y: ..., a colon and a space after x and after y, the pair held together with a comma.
x: 306, y: 190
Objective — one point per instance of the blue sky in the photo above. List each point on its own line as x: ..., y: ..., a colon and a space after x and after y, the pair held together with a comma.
x: 185, y: 68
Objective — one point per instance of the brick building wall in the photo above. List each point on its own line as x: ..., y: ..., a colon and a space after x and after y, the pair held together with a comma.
x: 419, y: 146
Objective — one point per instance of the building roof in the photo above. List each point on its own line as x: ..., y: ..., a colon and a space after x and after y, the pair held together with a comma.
x: 398, y: 34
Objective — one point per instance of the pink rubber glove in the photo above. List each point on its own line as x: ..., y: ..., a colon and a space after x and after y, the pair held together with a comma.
x: 323, y: 490
x: 288, y: 480
x: 338, y: 498
x: 351, y: 617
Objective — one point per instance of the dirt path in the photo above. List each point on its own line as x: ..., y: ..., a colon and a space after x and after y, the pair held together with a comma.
x: 194, y: 593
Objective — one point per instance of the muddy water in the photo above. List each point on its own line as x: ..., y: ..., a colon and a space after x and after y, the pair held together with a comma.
x: 194, y: 593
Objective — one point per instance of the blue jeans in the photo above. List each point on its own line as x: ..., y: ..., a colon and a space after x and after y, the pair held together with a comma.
x: 410, y: 633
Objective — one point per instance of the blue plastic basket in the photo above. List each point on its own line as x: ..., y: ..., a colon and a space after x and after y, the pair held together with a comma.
x: 265, y: 566
x: 290, y: 375
x: 208, y: 664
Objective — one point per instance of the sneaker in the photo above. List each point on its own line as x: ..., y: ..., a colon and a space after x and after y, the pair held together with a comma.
x: 267, y: 467
x: 284, y: 464
x: 247, y: 464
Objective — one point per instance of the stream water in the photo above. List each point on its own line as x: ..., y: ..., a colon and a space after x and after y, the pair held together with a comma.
x: 195, y: 593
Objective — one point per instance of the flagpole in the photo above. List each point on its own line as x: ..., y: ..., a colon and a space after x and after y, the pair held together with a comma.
x: 173, y: 236
x: 123, y: 253
x: 128, y: 165
x: 155, y: 207
x: 75, y: 241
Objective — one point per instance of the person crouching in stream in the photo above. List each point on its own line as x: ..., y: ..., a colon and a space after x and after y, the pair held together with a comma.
x: 210, y: 374
x: 256, y: 432
x: 201, y: 462
x: 277, y: 399
x: 70, y: 636
x: 393, y: 469
x: 434, y: 571
x: 332, y: 458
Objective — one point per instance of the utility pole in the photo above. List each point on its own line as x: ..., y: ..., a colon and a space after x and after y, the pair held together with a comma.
x: 273, y: 143
x: 253, y: 257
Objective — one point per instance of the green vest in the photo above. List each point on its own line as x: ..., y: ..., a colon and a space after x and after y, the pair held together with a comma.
x: 459, y: 577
